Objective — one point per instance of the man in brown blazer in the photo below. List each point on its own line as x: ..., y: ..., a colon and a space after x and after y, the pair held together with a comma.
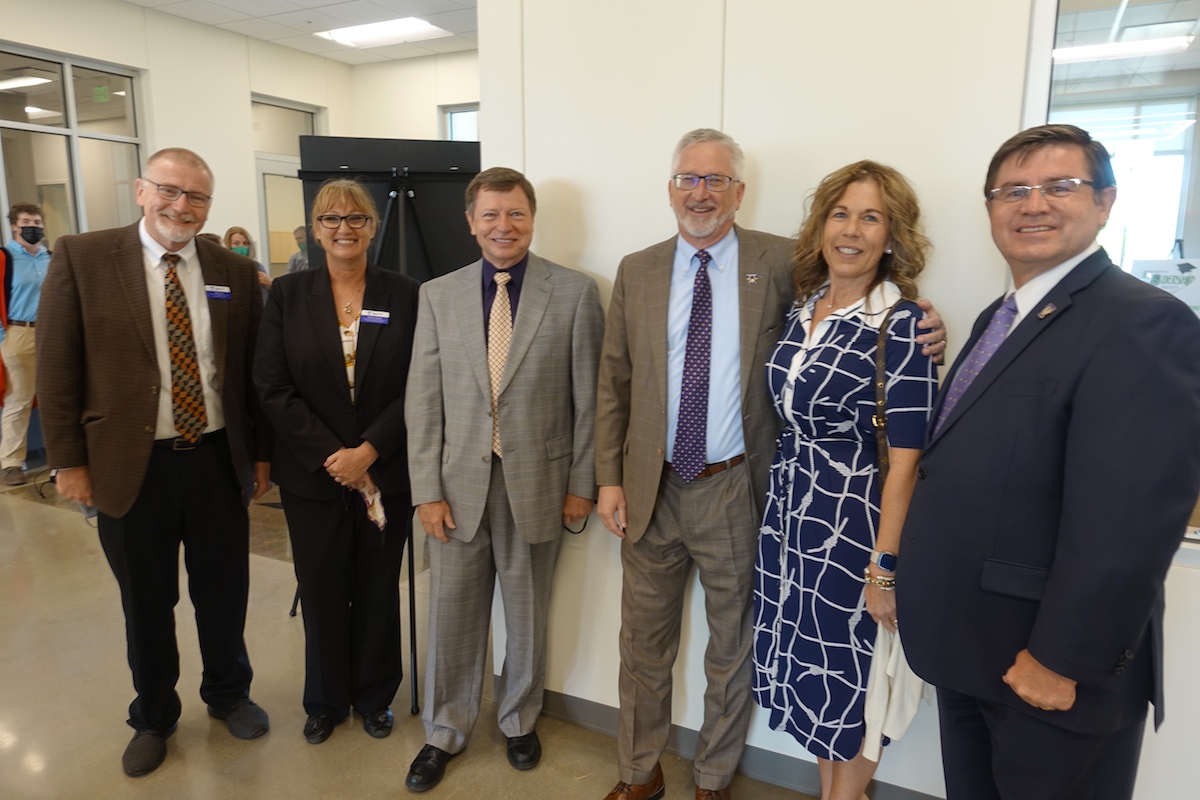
x: 147, y: 338
x: 682, y: 477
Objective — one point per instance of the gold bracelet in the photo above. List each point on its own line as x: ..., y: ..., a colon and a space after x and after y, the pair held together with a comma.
x: 886, y: 584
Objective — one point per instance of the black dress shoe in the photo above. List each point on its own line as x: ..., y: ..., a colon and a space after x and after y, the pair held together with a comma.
x: 427, y: 769
x: 378, y: 723
x: 145, y: 751
x: 245, y: 719
x: 524, y: 752
x: 318, y: 727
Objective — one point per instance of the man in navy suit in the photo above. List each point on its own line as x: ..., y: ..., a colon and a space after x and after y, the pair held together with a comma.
x: 1061, y: 467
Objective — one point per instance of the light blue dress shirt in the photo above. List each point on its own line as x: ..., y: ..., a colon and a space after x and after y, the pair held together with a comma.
x: 724, y: 437
x: 28, y: 272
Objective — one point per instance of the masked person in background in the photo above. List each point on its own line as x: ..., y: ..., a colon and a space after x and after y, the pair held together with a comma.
x: 23, y: 267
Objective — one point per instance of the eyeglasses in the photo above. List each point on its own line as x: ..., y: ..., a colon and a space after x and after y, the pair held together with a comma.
x: 1054, y: 190
x: 715, y: 183
x: 333, y: 221
x: 172, y: 193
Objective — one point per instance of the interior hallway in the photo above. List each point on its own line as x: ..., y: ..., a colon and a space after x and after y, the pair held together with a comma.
x: 65, y: 690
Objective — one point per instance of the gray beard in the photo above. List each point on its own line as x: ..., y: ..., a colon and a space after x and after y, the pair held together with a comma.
x: 174, y: 231
x: 699, y: 230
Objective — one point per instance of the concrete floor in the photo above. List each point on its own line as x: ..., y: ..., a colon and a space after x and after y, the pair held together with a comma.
x: 65, y: 690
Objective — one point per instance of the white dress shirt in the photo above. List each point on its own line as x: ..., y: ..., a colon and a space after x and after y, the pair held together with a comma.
x: 192, y: 281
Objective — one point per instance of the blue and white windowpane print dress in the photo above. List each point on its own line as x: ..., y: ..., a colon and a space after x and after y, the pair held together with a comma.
x: 813, y: 637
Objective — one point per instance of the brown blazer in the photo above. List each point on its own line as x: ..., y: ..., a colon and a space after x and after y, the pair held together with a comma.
x: 631, y: 413
x: 98, y: 376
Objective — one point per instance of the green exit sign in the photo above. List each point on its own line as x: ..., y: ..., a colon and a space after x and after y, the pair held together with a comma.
x: 100, y: 94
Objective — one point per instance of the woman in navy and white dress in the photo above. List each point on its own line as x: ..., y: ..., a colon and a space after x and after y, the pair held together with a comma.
x: 859, y: 253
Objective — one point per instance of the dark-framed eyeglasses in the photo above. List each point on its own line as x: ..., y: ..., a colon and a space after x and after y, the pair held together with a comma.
x: 715, y: 183
x: 168, y: 192
x: 333, y: 221
x: 1054, y: 190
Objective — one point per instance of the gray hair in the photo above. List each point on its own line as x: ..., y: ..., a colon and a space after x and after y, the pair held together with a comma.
x: 701, y: 135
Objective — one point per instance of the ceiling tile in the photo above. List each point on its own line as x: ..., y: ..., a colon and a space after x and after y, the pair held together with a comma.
x: 151, y: 3
x: 418, y: 8
x: 359, y: 12
x: 259, y: 29
x: 312, y: 44
x: 454, y: 21
x: 450, y: 44
x: 260, y: 8
x: 307, y: 21
x: 356, y: 57
x: 406, y: 50
x: 203, y: 11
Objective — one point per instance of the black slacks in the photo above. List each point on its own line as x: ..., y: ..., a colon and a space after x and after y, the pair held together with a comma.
x: 191, y: 498
x: 349, y: 574
x: 991, y: 751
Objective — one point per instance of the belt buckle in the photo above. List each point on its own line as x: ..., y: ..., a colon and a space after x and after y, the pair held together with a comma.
x: 180, y: 444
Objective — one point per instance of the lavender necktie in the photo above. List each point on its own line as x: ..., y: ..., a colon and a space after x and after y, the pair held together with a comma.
x: 983, y: 350
x: 691, y: 432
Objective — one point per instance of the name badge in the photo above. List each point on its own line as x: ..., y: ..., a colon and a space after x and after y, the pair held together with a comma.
x: 375, y: 317
x: 214, y: 292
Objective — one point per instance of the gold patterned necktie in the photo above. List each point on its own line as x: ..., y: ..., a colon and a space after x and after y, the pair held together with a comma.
x: 499, y: 339
x: 187, y: 391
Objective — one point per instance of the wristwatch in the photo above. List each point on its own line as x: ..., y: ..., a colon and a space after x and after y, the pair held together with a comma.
x: 884, y: 560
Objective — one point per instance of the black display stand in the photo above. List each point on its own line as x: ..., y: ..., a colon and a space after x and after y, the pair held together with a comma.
x: 418, y: 186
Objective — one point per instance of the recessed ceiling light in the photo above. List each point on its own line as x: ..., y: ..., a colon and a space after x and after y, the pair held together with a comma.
x: 20, y: 83
x: 33, y: 112
x: 378, y: 34
x: 1111, y: 51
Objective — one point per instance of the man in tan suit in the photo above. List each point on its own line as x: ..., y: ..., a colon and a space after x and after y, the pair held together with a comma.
x: 685, y: 435
x: 500, y: 413
x: 146, y: 341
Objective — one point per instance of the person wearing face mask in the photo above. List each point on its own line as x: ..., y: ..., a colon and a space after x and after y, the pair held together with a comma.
x: 299, y: 259
x: 238, y: 240
x: 23, y: 270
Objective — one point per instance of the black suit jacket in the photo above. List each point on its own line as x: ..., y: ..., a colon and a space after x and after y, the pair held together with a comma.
x: 301, y: 378
x: 1049, y: 505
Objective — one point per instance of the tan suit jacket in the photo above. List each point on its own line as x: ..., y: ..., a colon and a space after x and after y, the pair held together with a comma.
x: 631, y: 416
x: 547, y: 399
x: 98, y: 375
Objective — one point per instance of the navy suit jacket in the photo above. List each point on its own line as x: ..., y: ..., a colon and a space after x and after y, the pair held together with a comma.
x: 1049, y: 505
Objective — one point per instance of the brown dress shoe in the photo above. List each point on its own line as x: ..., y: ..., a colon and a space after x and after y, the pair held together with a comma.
x: 652, y: 790
x: 712, y: 794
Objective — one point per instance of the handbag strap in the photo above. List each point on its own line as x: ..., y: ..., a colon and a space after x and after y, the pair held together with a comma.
x: 879, y: 418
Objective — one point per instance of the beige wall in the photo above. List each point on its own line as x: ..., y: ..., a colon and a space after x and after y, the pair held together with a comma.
x: 399, y: 100
x: 590, y: 107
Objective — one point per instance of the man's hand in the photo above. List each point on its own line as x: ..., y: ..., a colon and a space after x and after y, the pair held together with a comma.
x: 576, y: 508
x: 435, y: 518
x: 262, y: 478
x: 611, y: 508
x: 348, y: 465
x: 75, y: 483
x: 1038, y: 685
x: 935, y: 340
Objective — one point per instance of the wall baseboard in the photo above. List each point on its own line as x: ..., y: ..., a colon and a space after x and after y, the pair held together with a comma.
x: 762, y: 765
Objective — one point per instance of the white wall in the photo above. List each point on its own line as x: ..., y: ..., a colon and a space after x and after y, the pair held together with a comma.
x: 399, y: 100
x: 590, y: 107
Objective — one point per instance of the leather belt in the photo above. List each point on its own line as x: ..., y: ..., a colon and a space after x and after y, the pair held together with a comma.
x: 712, y: 469
x: 20, y: 323
x: 179, y: 444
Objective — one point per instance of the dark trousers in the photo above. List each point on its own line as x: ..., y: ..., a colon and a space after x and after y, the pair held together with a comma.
x: 349, y: 574
x: 991, y: 751
x: 190, y: 498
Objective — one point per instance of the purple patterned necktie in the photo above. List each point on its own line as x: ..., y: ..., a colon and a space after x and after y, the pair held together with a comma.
x: 983, y: 350
x: 691, y: 432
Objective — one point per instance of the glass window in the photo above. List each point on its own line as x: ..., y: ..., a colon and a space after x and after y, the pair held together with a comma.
x: 461, y: 123
x: 109, y: 170
x: 278, y: 129
x: 103, y: 102
x: 37, y: 169
x: 31, y: 90
x: 1126, y: 74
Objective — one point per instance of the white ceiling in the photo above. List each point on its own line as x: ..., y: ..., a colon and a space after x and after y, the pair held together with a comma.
x: 294, y: 23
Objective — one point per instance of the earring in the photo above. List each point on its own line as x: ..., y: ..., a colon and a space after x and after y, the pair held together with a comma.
x: 888, y: 251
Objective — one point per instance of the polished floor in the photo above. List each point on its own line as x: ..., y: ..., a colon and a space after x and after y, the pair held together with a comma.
x: 65, y: 689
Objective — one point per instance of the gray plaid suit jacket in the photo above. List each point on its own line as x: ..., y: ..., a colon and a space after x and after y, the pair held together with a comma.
x: 631, y: 417
x: 547, y: 399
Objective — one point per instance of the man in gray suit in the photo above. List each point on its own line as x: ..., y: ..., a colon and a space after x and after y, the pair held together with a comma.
x: 500, y: 412
x: 685, y: 434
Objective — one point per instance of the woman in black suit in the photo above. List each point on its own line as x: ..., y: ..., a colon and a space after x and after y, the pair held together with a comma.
x: 332, y: 362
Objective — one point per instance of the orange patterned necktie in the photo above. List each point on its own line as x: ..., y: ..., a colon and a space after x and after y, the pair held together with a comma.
x: 499, y: 339
x: 187, y: 392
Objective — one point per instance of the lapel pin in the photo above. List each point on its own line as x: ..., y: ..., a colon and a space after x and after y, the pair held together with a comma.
x: 1046, y: 311
x: 752, y: 278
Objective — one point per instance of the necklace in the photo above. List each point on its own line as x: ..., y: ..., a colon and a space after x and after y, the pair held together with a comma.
x: 346, y: 309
